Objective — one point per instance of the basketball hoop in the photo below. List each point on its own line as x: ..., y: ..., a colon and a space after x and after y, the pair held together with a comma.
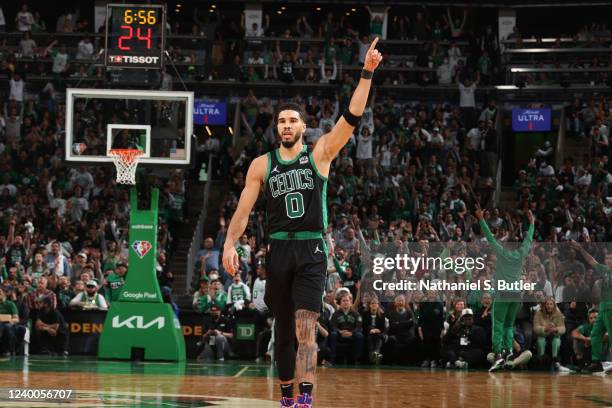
x: 126, y: 161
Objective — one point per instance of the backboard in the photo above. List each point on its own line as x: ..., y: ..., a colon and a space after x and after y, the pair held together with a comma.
x: 158, y: 122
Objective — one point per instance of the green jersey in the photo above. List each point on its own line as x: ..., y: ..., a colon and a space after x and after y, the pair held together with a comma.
x: 509, y: 264
x: 115, y: 282
x: 221, y: 300
x: 585, y: 329
x: 8, y: 307
x: 202, y: 302
x: 237, y: 293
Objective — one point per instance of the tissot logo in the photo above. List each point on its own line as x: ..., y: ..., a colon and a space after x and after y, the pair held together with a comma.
x: 137, y: 322
x: 132, y: 59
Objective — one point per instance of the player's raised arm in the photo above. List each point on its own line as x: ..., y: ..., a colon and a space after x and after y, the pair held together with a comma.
x: 254, y: 180
x: 330, y: 144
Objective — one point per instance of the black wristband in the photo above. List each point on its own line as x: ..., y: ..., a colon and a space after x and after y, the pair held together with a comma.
x: 365, y: 74
x: 350, y: 118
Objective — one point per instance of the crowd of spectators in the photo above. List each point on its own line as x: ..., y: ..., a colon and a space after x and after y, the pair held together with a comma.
x: 583, y: 57
x: 413, y: 173
x: 447, y: 48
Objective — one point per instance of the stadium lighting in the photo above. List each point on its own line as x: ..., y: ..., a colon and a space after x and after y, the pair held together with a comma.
x: 211, y: 10
x: 214, y: 6
x: 353, y: 10
x: 318, y: 8
x: 230, y: 130
x: 348, y: 13
x: 283, y: 8
x: 279, y: 12
x: 208, y: 131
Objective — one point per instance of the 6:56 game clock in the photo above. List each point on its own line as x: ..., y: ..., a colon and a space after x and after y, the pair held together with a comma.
x: 135, y: 35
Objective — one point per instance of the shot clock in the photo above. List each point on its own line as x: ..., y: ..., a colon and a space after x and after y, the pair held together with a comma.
x: 135, y: 35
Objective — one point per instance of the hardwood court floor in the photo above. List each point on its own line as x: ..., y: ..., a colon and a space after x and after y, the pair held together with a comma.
x: 245, y: 384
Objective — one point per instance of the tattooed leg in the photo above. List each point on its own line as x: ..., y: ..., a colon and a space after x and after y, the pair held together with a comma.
x: 306, y: 359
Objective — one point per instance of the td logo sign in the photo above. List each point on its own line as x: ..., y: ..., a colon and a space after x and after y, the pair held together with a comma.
x: 137, y: 322
x: 245, y: 332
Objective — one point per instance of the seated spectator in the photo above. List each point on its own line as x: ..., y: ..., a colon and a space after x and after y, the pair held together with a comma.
x: 346, y: 328
x: 402, y: 326
x: 217, y: 335
x: 50, y: 329
x: 482, y: 317
x: 90, y: 299
x: 9, y: 318
x: 431, y: 325
x: 322, y: 338
x: 64, y: 293
x: 464, y: 344
x: 582, y: 340
x: 19, y: 297
x: 549, y: 326
x: 453, y: 317
x: 375, y: 329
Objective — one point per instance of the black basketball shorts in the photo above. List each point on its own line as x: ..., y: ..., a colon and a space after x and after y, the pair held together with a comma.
x: 296, y: 275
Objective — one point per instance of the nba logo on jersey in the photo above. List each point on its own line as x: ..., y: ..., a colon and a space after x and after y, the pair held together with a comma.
x: 303, y: 159
x: 141, y: 248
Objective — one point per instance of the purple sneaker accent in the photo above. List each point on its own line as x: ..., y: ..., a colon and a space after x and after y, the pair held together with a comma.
x: 287, y: 402
x: 304, y: 401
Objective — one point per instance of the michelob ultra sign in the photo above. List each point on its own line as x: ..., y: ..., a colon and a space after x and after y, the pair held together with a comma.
x: 531, y: 120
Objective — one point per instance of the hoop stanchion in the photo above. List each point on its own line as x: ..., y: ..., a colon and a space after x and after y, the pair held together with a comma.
x: 126, y: 161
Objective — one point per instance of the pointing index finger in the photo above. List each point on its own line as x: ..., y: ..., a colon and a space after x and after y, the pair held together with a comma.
x: 373, y: 45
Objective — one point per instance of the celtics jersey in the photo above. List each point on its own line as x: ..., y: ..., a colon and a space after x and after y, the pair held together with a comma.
x: 295, y: 194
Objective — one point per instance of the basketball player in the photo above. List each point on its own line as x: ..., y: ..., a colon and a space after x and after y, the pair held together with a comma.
x: 294, y: 180
x: 508, y: 267
x: 603, y: 323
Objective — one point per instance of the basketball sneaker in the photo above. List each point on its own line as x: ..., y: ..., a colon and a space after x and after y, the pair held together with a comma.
x: 304, y: 401
x: 498, y: 362
x: 287, y: 402
x: 595, y: 367
x: 461, y: 364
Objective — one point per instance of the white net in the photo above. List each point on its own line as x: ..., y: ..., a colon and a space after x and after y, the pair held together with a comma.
x: 126, y: 161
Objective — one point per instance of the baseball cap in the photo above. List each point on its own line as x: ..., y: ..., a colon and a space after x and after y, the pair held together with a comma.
x: 92, y: 283
x: 83, y: 254
x: 467, y: 312
x: 121, y: 263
